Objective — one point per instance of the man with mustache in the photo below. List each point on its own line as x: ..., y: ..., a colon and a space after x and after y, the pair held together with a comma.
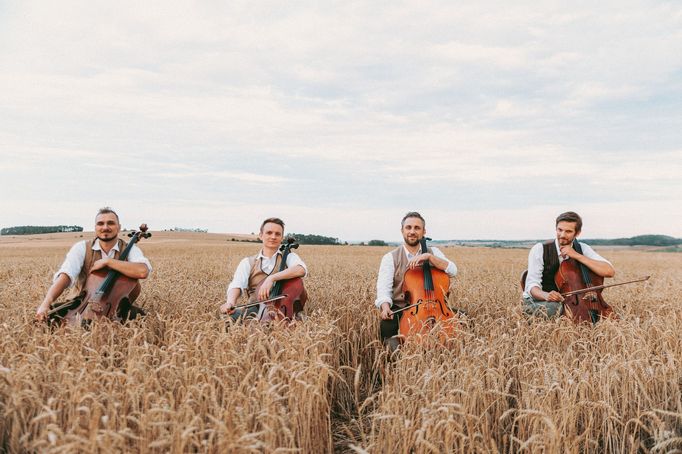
x: 91, y: 255
x: 541, y: 296
x: 392, y: 271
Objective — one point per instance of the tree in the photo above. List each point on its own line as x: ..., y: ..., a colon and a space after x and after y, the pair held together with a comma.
x: 36, y: 229
x: 315, y: 239
x: 377, y: 243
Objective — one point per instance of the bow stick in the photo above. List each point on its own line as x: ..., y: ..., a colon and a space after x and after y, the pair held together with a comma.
x: 599, y: 287
x: 256, y: 303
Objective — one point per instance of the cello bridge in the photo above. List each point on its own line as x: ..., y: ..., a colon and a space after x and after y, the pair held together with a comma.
x: 590, y: 297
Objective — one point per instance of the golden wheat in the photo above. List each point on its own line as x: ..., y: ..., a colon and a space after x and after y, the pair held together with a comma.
x: 177, y: 381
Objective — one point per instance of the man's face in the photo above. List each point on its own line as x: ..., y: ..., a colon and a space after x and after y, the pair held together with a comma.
x: 566, y: 232
x: 271, y: 235
x: 107, y: 226
x: 413, y: 231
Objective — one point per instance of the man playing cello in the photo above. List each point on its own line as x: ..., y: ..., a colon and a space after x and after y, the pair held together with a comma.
x: 100, y: 253
x: 392, y: 271
x: 256, y: 275
x: 541, y: 296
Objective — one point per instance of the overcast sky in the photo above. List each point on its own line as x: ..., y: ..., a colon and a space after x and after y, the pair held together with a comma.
x: 489, y: 117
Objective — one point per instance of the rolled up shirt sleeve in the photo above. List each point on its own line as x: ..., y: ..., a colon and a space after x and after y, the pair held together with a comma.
x: 592, y: 254
x: 136, y: 256
x: 240, y: 279
x: 385, y: 281
x: 451, y: 269
x: 535, y: 264
x: 73, y: 262
x: 293, y: 259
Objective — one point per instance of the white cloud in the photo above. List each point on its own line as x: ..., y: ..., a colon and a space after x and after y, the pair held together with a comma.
x: 307, y: 96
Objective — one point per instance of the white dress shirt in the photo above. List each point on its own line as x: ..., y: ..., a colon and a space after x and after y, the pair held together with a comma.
x: 76, y: 256
x: 536, y: 264
x: 387, y: 270
x: 240, y: 279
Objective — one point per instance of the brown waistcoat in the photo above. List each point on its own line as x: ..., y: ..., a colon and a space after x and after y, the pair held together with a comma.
x: 257, y: 275
x: 91, y: 257
x: 400, y: 262
x: 550, y: 261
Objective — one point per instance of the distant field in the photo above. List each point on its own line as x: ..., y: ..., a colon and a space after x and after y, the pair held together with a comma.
x: 178, y: 382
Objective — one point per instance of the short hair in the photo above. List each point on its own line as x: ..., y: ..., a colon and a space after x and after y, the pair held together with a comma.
x: 106, y: 210
x: 412, y: 214
x: 570, y: 216
x: 277, y: 221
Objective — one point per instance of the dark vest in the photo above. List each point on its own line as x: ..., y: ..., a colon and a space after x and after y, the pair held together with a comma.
x: 550, y: 266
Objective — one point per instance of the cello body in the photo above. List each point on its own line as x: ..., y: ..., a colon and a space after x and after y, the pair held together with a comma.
x: 289, y: 308
x: 113, y: 305
x: 585, y: 307
x: 427, y: 289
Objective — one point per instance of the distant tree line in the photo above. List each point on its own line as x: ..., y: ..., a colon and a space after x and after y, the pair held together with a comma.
x: 315, y: 239
x: 640, y: 240
x: 35, y: 229
x: 191, y: 229
x: 377, y: 243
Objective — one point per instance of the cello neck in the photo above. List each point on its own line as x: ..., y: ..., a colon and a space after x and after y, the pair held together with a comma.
x: 126, y: 251
x: 112, y: 275
x: 426, y: 266
x: 286, y: 247
x: 584, y: 271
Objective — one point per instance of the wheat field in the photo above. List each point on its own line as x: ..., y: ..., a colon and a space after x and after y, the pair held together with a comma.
x: 178, y: 381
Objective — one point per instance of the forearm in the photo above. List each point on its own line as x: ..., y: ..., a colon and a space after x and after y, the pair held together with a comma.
x: 289, y: 273
x: 539, y: 294
x: 56, y: 289
x: 603, y: 269
x: 233, y: 295
x: 438, y: 262
x: 130, y: 269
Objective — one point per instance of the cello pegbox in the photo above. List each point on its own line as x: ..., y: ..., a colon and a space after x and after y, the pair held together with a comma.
x: 288, y: 243
x: 142, y: 233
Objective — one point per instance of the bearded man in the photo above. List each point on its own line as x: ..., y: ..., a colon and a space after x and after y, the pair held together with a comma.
x: 392, y: 272
x: 91, y: 255
x: 541, y: 296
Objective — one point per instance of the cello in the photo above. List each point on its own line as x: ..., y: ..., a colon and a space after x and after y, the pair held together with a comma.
x: 107, y: 294
x: 292, y: 292
x: 582, y: 290
x: 426, y: 290
x: 574, y: 280
x: 286, y: 299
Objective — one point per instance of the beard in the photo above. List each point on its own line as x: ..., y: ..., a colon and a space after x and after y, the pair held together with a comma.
x: 411, y: 241
x: 107, y: 236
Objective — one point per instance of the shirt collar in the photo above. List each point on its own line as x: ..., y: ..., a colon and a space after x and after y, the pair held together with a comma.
x: 261, y: 256
x: 409, y: 254
x: 97, y: 247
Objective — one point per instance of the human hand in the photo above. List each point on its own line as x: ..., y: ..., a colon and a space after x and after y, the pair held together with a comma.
x: 418, y: 260
x: 41, y: 312
x: 265, y: 287
x: 386, y: 313
x: 100, y: 264
x: 555, y: 296
x: 567, y: 251
x: 225, y: 307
